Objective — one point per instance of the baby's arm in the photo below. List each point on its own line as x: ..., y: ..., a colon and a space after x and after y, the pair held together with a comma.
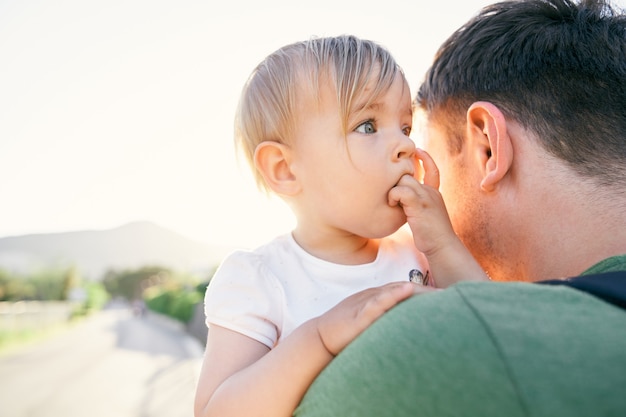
x: 448, y: 258
x: 243, y: 377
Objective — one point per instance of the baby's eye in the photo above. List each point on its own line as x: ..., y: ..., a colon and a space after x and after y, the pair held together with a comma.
x: 366, y: 127
x: 407, y: 130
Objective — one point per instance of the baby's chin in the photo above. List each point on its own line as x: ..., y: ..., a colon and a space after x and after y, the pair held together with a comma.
x: 389, y: 226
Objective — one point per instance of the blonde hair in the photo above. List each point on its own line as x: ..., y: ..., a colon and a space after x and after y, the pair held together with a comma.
x: 267, y: 107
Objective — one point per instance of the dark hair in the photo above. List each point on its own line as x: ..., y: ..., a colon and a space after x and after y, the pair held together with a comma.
x: 555, y: 66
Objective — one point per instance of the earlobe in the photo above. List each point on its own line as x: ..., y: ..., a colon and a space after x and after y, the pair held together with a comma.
x: 272, y: 159
x: 487, y: 125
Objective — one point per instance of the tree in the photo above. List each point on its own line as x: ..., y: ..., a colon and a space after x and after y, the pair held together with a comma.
x: 71, y: 281
x: 130, y: 284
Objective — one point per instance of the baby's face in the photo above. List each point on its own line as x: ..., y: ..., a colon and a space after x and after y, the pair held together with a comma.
x: 346, y: 177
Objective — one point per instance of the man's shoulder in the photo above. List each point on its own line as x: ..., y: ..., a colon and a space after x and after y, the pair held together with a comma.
x: 511, y: 305
x: 493, y: 348
x: 522, y: 334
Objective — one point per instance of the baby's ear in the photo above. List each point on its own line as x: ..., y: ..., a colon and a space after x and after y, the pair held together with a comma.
x: 487, y: 129
x: 272, y: 159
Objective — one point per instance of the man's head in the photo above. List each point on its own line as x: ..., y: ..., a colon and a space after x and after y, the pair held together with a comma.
x: 527, y: 92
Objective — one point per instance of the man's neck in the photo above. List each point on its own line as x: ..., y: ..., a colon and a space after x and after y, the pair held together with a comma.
x: 576, y: 236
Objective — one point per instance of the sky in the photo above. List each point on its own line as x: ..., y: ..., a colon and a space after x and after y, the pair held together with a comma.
x: 122, y: 110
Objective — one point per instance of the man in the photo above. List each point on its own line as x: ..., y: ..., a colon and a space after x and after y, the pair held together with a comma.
x: 525, y: 114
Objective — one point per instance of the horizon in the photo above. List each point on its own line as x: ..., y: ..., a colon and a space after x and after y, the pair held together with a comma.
x: 94, y: 253
x: 108, y: 229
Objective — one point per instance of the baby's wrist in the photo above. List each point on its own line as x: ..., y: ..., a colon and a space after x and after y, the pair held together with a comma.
x: 318, y: 339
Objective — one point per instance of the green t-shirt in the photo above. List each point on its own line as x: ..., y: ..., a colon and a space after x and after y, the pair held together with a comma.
x: 483, y: 349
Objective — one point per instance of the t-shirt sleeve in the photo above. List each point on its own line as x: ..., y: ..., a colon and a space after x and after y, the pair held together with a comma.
x: 245, y: 297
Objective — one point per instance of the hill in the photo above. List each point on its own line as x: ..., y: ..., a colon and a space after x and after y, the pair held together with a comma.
x: 94, y: 252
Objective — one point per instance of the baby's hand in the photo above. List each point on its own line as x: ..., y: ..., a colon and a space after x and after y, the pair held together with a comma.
x: 344, y: 322
x: 424, y: 208
x: 428, y: 169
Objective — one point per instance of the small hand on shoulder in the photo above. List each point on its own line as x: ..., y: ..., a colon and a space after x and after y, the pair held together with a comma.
x: 348, y: 319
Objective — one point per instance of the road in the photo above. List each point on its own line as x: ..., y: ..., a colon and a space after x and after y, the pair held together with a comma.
x: 112, y: 365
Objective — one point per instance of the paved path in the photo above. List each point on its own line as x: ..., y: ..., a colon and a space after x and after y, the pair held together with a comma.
x: 111, y: 365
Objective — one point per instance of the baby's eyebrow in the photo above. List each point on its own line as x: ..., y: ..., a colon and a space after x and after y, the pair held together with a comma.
x: 369, y: 106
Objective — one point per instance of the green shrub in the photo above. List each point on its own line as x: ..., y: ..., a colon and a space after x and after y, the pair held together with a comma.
x: 95, y: 297
x: 159, y: 301
x: 176, y: 303
x: 183, y: 305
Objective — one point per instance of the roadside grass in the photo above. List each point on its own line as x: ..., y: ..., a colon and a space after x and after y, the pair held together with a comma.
x: 12, y: 341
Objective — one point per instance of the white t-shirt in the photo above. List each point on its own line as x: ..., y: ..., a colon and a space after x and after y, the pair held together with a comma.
x: 266, y: 293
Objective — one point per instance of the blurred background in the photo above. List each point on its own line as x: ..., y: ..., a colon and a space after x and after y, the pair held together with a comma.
x: 121, y: 191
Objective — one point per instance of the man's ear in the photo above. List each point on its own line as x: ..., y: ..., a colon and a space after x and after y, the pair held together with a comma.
x: 272, y: 159
x: 487, y: 128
